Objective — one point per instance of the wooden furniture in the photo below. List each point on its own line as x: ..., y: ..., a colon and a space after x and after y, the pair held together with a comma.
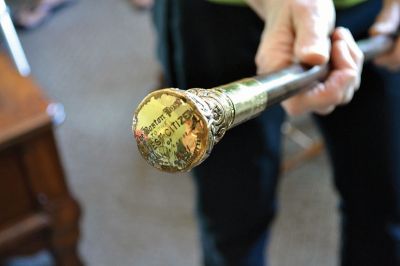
x: 37, y: 210
x: 309, y: 147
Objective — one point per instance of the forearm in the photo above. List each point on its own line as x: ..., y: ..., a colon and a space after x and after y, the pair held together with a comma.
x: 264, y: 7
x: 257, y: 6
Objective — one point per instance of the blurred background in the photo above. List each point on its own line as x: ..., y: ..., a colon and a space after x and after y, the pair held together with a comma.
x: 97, y: 58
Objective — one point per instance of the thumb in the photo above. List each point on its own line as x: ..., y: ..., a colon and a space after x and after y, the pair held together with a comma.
x: 312, y: 45
x: 275, y: 50
x: 388, y: 19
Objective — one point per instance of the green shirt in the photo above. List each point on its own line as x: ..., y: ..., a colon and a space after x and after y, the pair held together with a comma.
x: 338, y: 3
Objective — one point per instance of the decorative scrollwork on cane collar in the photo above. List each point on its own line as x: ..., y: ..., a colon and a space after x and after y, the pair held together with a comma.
x: 218, y: 109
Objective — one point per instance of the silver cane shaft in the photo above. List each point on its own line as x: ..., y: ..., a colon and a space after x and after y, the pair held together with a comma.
x: 266, y: 90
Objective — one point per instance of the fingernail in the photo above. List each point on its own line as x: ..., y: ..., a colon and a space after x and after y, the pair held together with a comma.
x: 345, y: 32
x: 381, y: 28
x: 342, y: 30
x: 314, y: 49
x: 314, y: 55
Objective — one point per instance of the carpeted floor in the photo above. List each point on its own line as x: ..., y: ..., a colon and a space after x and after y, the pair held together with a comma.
x: 97, y: 58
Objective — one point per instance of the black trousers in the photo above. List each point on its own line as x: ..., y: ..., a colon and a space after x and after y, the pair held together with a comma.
x: 204, y: 45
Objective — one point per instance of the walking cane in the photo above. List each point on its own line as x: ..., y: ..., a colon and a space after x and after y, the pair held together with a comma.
x: 176, y: 130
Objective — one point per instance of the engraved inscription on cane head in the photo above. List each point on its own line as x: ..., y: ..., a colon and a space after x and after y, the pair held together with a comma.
x: 171, y: 133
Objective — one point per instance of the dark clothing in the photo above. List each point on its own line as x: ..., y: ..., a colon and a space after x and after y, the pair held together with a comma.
x: 204, y: 45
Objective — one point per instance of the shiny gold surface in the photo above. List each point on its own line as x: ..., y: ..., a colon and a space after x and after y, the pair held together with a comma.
x: 171, y: 133
x: 249, y: 97
x: 175, y: 130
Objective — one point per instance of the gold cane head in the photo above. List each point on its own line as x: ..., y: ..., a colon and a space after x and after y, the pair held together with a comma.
x: 171, y: 132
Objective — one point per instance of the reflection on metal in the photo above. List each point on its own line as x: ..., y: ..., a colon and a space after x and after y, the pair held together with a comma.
x: 12, y: 42
x: 57, y: 112
x: 306, y: 147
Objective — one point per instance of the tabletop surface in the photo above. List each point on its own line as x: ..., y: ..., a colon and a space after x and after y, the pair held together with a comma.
x: 22, y: 104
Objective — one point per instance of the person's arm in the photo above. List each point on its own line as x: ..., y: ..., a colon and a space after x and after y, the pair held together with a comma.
x: 388, y: 22
x: 302, y: 30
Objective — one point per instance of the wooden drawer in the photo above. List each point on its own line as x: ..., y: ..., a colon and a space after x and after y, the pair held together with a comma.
x: 14, y: 190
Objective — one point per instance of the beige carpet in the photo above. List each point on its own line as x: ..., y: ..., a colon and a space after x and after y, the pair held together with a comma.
x: 96, y: 57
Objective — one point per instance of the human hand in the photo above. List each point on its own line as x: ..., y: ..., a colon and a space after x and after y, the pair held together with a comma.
x: 298, y: 31
x: 388, y: 22
x: 341, y: 83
